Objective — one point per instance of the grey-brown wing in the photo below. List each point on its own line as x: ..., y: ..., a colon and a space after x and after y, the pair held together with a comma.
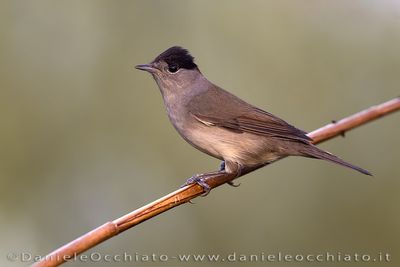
x: 239, y: 116
x: 255, y: 126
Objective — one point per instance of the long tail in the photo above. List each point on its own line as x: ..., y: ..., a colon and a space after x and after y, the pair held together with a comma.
x: 314, y: 152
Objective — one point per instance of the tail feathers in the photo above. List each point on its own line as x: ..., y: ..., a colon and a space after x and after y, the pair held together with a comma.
x: 315, y: 152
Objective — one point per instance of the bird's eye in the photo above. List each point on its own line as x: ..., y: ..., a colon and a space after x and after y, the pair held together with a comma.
x: 173, y: 68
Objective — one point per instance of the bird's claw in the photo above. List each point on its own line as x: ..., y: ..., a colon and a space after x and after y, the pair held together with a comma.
x: 198, y: 179
x: 232, y: 183
x: 342, y: 133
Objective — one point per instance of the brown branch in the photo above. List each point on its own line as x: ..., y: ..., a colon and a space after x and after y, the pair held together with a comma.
x: 189, y: 192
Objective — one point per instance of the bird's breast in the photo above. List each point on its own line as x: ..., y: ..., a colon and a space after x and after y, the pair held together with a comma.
x: 221, y: 143
x: 243, y: 148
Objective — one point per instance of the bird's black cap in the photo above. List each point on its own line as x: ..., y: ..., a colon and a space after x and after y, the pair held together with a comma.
x: 177, y: 55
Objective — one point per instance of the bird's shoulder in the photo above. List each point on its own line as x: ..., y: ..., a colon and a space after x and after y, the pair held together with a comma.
x: 214, y: 101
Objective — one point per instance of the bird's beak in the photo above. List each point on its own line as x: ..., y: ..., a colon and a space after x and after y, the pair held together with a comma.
x: 146, y: 67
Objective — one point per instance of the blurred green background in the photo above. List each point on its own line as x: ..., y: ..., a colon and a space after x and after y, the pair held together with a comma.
x: 84, y: 137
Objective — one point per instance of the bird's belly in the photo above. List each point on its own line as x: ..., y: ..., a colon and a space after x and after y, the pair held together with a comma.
x: 244, y: 148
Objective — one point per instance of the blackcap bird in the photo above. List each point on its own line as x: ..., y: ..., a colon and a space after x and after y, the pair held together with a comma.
x: 221, y: 124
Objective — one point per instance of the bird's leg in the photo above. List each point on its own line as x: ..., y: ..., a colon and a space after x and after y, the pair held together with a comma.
x: 222, y: 166
x: 200, y: 179
x: 232, y: 169
x: 231, y: 183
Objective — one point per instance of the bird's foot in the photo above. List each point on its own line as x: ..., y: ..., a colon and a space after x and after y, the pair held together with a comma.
x: 342, y: 133
x: 222, y: 168
x: 232, y: 183
x: 200, y: 180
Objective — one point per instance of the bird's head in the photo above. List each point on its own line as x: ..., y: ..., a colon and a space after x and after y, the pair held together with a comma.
x: 172, y: 69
